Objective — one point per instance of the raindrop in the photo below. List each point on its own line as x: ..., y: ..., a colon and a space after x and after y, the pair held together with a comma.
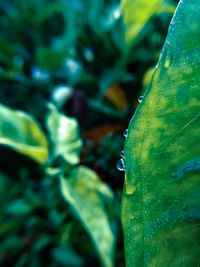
x: 140, y: 98
x: 120, y: 165
x: 125, y: 133
x: 122, y: 154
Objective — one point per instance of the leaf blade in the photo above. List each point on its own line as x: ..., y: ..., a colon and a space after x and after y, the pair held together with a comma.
x: 161, y: 156
x: 64, y: 133
x: 81, y: 190
x: 21, y: 132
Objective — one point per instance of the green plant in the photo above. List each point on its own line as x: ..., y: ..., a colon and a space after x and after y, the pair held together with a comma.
x: 161, y: 205
x: 81, y: 187
x: 73, y: 54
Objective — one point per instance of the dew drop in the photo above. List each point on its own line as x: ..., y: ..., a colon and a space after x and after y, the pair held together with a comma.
x: 122, y: 154
x: 120, y: 165
x: 140, y: 98
x: 125, y: 133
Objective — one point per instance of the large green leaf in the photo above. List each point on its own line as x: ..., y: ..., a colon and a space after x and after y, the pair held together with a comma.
x: 161, y: 199
x: 21, y: 132
x: 64, y: 133
x: 83, y: 192
x: 138, y: 12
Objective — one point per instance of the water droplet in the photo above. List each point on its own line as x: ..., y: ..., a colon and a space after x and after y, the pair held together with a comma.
x: 122, y: 154
x: 140, y: 98
x: 125, y: 133
x: 120, y: 165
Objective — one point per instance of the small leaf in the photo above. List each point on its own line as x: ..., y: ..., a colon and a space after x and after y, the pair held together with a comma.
x: 22, y: 133
x: 82, y: 191
x: 161, y: 200
x: 64, y: 133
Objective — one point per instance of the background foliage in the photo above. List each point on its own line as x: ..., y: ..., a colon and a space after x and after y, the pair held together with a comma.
x: 76, y: 55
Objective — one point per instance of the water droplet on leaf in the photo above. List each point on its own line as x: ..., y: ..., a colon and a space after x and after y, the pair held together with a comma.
x: 140, y: 98
x: 125, y: 133
x: 122, y: 154
x: 120, y: 165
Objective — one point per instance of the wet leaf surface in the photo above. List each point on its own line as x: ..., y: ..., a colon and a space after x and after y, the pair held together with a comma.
x: 161, y: 203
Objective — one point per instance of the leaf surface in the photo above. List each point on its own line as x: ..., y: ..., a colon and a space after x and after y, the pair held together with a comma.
x: 83, y: 192
x: 161, y: 199
x: 21, y: 132
x: 64, y: 133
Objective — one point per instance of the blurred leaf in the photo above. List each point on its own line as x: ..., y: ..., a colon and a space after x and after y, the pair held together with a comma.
x: 116, y: 95
x: 65, y: 256
x: 147, y: 77
x: 161, y: 200
x: 105, y: 109
x: 22, y: 133
x: 138, y: 12
x: 19, y: 206
x: 82, y: 191
x: 116, y: 74
x: 64, y: 133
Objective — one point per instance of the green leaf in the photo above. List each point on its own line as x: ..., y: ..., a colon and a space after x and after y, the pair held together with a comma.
x: 22, y: 133
x: 64, y: 133
x: 138, y: 12
x: 82, y: 191
x: 161, y: 199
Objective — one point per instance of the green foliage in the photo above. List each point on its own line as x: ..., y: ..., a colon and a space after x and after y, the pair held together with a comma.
x: 137, y: 13
x: 64, y: 135
x: 73, y: 54
x: 82, y: 190
x: 160, y: 207
x: 22, y: 133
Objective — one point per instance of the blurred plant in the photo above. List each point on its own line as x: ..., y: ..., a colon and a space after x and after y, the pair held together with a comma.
x: 80, y: 186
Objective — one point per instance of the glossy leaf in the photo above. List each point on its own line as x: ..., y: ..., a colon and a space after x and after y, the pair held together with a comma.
x: 64, y: 133
x: 83, y: 192
x: 161, y: 200
x: 21, y: 132
x: 138, y: 12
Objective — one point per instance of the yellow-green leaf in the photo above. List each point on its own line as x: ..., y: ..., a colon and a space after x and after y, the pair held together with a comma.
x: 82, y: 190
x: 161, y: 199
x: 21, y: 132
x: 138, y: 12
